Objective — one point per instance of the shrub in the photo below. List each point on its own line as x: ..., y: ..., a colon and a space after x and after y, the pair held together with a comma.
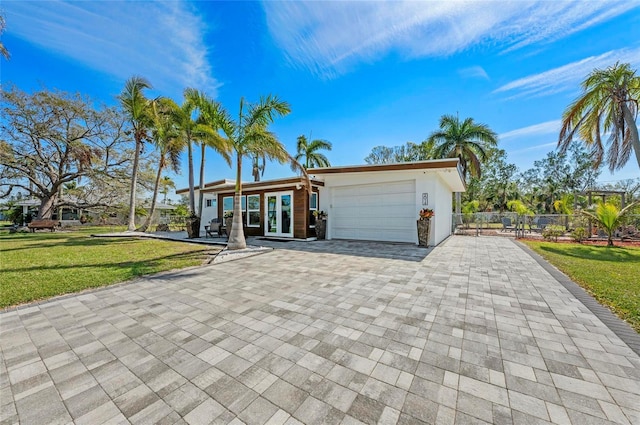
x: 552, y: 232
x: 579, y: 234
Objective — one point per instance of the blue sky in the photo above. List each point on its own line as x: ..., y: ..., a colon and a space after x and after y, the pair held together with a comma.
x: 359, y: 74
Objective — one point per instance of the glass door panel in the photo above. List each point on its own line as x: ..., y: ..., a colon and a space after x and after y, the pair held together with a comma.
x: 285, y: 204
x: 272, y: 214
x: 279, y: 214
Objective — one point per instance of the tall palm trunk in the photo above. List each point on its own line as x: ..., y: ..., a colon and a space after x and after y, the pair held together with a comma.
x: 192, y: 206
x: 458, y: 202
x: 134, y: 184
x: 631, y: 124
x: 236, y: 237
x: 200, y: 194
x: 147, y: 220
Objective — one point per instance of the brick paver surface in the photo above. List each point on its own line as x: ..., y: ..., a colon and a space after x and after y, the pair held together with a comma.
x: 323, y: 332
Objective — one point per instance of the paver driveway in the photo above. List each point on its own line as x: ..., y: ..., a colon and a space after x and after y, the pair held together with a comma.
x: 475, y: 332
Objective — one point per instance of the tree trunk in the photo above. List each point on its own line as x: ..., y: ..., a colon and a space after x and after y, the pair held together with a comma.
x: 458, y: 202
x: 134, y: 183
x: 200, y: 194
x: 47, y: 205
x: 236, y: 237
x: 192, y: 206
x: 633, y: 129
x: 147, y: 220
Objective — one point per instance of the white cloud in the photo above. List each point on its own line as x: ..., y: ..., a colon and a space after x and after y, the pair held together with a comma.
x: 329, y: 38
x: 548, y: 127
x: 567, y: 77
x: 474, y: 72
x: 534, y: 148
x: 162, y: 41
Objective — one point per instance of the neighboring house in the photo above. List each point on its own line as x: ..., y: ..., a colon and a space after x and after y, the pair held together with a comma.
x: 364, y: 202
x: 71, y: 216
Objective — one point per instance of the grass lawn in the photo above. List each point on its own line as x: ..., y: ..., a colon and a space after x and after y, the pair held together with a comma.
x: 43, y: 264
x: 611, y: 275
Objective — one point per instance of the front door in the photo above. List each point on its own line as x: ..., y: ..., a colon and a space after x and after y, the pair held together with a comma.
x: 279, y: 214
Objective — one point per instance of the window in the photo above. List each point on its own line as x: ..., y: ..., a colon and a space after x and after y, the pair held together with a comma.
x: 313, y: 207
x: 227, y: 206
x: 253, y: 210
x: 209, y: 203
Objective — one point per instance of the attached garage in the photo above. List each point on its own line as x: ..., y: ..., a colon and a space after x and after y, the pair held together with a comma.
x: 381, y: 202
x: 361, y: 211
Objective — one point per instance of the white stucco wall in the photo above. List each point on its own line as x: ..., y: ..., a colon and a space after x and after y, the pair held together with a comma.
x: 208, y: 213
x: 426, y: 181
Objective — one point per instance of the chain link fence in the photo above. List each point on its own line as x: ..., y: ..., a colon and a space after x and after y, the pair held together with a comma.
x: 510, y: 224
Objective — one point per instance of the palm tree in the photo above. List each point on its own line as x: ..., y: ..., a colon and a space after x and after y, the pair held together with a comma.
x: 191, y: 131
x: 309, y: 151
x: 248, y: 137
x: 136, y: 107
x: 208, y: 126
x: 166, y: 183
x: 608, y: 104
x: 609, y: 217
x: 467, y: 140
x: 169, y: 145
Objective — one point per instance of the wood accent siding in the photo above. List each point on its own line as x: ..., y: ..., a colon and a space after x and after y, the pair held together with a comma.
x: 300, y: 206
x: 300, y: 213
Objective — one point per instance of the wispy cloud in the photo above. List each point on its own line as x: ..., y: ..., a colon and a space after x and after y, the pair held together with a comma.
x: 548, y: 127
x: 330, y: 38
x: 567, y: 77
x: 162, y: 41
x: 533, y: 148
x: 474, y: 72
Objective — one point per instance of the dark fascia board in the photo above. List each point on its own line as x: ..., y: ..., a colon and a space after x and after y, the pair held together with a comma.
x: 418, y: 165
x: 397, y: 166
x: 227, y: 185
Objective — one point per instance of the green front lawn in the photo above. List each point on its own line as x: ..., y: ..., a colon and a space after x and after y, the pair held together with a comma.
x: 43, y: 264
x: 610, y: 274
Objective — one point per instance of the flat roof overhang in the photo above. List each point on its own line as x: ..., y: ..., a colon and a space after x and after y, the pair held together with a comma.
x: 448, y: 168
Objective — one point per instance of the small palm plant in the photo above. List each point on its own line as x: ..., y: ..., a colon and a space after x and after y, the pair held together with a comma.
x: 609, y: 217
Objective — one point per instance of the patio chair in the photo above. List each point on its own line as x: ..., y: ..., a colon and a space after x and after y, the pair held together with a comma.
x: 540, y: 223
x: 506, y: 225
x: 214, y: 229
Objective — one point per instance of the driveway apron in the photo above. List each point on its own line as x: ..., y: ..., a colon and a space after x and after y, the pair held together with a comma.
x: 326, y: 332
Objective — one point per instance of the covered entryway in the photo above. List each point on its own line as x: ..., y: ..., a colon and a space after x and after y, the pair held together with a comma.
x: 374, y: 212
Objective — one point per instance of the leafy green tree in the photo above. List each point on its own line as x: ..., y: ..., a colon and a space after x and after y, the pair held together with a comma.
x: 404, y: 153
x: 609, y: 217
x: 3, y: 50
x: 308, y: 152
x: 498, y: 183
x: 558, y: 174
x: 51, y: 139
x: 607, y: 106
x: 137, y: 109
x: 466, y: 140
x: 248, y: 136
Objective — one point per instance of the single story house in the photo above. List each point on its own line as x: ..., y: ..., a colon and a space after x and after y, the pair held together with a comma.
x: 70, y: 216
x: 363, y: 202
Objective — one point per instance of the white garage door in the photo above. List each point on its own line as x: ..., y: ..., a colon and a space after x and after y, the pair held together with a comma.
x: 377, y: 212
